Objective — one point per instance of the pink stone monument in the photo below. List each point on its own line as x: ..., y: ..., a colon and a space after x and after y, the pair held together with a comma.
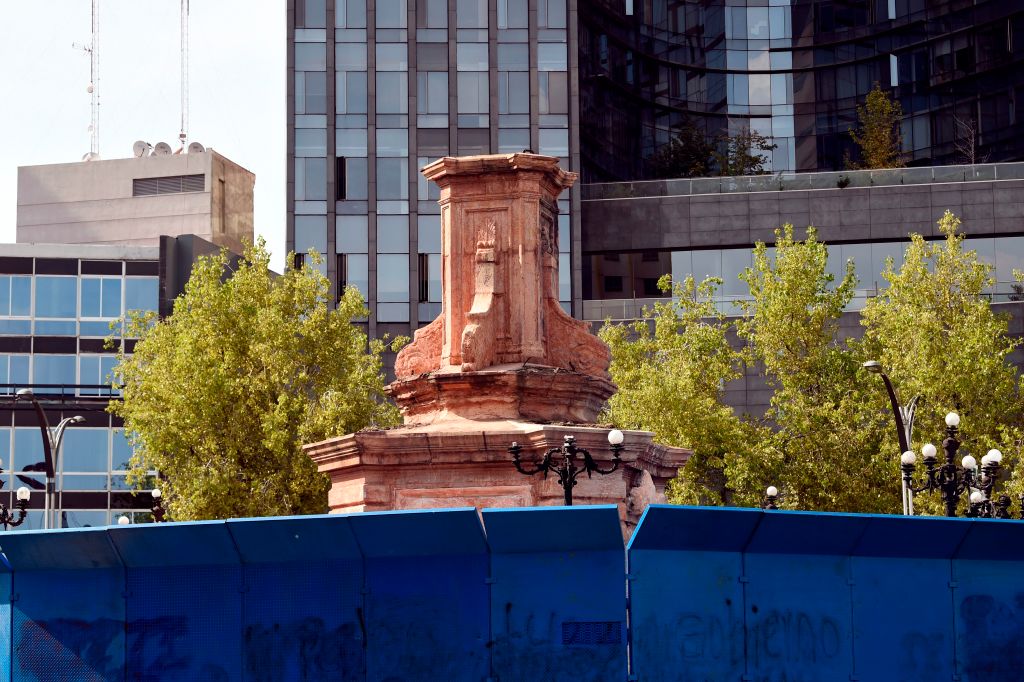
x: 503, y: 362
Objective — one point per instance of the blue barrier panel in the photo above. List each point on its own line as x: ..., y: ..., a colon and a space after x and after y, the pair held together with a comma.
x: 558, y: 596
x: 184, y: 601
x: 426, y: 601
x: 302, y: 607
x: 686, y: 598
x: 902, y: 610
x: 799, y: 618
x: 988, y: 601
x: 5, y: 619
x: 68, y: 613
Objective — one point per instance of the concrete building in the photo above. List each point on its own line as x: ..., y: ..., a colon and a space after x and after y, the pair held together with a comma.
x: 136, y: 201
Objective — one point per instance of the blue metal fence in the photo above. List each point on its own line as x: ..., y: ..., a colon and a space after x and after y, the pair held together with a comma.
x: 523, y: 594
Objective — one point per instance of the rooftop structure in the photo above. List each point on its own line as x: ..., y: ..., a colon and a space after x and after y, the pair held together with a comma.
x: 137, y: 200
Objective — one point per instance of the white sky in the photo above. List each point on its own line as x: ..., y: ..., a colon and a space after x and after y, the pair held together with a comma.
x: 236, y: 89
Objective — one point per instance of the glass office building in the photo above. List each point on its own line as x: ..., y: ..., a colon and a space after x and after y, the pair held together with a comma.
x: 379, y: 88
x: 795, y: 71
x: 59, y: 335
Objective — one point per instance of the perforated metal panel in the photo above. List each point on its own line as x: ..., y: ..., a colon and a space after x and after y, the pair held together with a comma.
x: 427, y: 618
x: 184, y: 623
x: 304, y: 621
x: 68, y: 625
x: 5, y: 624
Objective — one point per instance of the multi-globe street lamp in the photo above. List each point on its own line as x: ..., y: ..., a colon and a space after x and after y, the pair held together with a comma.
x: 7, y: 517
x: 562, y: 461
x: 52, y: 439
x: 953, y: 480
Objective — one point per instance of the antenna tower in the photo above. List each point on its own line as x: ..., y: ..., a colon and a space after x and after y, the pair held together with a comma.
x: 183, y: 135
x: 94, y: 80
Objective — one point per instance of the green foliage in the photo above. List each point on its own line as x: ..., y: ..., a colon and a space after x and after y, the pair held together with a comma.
x: 743, y: 153
x: 823, y: 449
x: 670, y: 368
x: 878, y: 131
x: 687, y: 155
x: 934, y: 331
x: 828, y: 439
x: 221, y: 395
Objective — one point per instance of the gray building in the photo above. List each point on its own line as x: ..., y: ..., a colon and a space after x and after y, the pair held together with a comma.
x: 637, y: 232
x: 377, y: 89
x: 136, y: 200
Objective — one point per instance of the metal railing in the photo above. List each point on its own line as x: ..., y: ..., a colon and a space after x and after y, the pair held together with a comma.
x: 63, y: 393
x: 776, y: 182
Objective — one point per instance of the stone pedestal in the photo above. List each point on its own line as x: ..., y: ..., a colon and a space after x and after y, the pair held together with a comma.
x: 502, y: 363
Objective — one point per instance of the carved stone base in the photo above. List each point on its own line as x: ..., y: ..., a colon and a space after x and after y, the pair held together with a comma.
x: 521, y: 391
x: 461, y: 463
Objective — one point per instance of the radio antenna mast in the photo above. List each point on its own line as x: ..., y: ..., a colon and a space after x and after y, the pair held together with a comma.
x: 94, y: 81
x: 183, y: 135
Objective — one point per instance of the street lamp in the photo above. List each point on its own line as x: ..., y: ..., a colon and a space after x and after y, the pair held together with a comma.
x: 954, y: 480
x: 771, y: 498
x: 565, y: 464
x: 7, y: 515
x: 904, y: 416
x: 52, y: 439
x: 158, y: 509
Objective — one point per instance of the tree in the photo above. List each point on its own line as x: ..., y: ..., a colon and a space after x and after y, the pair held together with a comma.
x: 822, y: 449
x: 670, y: 368
x: 743, y: 153
x: 687, y: 154
x: 220, y: 396
x: 966, y: 141
x: 878, y: 131
x: 934, y: 330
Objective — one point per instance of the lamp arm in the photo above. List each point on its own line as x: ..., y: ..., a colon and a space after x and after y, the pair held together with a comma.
x: 44, y: 428
x: 897, y: 413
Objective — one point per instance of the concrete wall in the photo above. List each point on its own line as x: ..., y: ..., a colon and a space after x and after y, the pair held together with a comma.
x: 92, y: 202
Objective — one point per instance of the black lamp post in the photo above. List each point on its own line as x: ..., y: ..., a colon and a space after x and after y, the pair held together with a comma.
x: 562, y: 461
x: 904, y: 417
x: 7, y: 517
x: 52, y: 439
x: 953, y: 480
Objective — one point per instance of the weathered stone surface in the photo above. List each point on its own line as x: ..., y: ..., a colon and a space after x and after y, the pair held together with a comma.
x: 502, y: 363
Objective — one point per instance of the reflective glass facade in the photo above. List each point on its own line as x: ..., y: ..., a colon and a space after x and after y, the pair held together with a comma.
x: 622, y: 276
x: 378, y: 89
x: 795, y: 71
x: 55, y: 317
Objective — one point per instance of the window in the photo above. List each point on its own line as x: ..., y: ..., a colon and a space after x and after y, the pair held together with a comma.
x: 55, y: 370
x: 391, y: 13
x: 432, y: 93
x: 350, y: 234
x: 471, y: 13
x: 101, y: 297
x: 350, y: 93
x: 86, y: 450
x: 56, y: 297
x: 142, y: 293
x: 13, y: 371
x: 392, y: 178
x: 554, y: 93
x: 310, y: 14
x: 432, y: 13
x: 310, y: 142
x: 473, y: 95
x: 512, y: 14
x: 355, y: 268
x: 350, y: 13
x: 96, y: 370
x: 392, y: 57
x: 310, y: 57
x: 429, y: 277
x: 393, y: 234
x: 15, y: 296
x: 311, y: 233
x: 552, y: 57
x: 471, y: 56
x: 172, y: 184
x: 393, y: 278
x: 392, y: 142
x: 311, y: 179
x: 392, y: 93
x: 551, y: 13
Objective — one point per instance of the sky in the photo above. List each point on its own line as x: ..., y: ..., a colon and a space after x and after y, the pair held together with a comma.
x: 236, y: 89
